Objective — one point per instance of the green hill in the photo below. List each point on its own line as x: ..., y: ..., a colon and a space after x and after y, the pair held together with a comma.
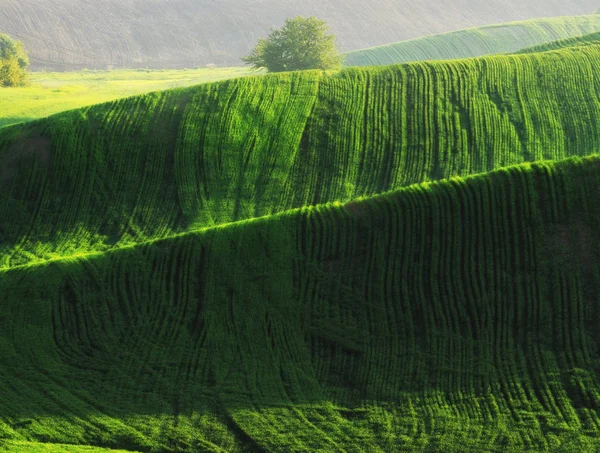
x: 591, y: 39
x: 152, y: 166
x: 305, y: 262
x: 457, y: 316
x: 475, y: 42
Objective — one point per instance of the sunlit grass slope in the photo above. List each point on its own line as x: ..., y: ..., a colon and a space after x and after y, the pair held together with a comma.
x: 586, y: 40
x: 53, y: 92
x: 474, y: 42
x: 161, y: 164
x: 47, y: 447
x: 456, y: 316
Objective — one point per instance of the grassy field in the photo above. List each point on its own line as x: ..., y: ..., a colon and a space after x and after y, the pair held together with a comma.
x: 310, y: 262
x: 53, y: 92
x: 474, y: 42
x: 216, y: 153
x: 41, y: 447
x: 591, y: 39
x: 457, y: 316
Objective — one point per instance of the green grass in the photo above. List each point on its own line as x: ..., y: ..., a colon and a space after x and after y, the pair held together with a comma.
x: 53, y: 92
x: 591, y: 39
x: 160, y: 164
x: 38, y: 447
x: 474, y: 42
x: 306, y: 262
x: 456, y: 316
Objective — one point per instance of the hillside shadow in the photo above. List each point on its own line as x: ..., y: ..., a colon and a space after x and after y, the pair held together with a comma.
x: 250, y: 331
x: 12, y: 120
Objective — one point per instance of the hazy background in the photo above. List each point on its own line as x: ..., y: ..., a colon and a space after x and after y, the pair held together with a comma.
x: 110, y: 34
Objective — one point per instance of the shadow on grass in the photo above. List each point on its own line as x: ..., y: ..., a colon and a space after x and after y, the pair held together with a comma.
x: 9, y: 121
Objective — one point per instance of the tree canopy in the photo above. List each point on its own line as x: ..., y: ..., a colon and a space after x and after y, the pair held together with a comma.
x: 13, y: 62
x: 302, y: 43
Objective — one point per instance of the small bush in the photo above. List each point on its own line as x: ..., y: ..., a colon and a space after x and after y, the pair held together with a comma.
x: 13, y: 62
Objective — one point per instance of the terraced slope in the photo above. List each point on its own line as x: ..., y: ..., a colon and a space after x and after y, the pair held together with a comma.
x: 590, y: 39
x: 456, y: 316
x: 153, y: 166
x: 74, y: 34
x: 475, y: 42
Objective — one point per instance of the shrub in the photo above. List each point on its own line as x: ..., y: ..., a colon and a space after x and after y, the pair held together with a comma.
x: 13, y: 62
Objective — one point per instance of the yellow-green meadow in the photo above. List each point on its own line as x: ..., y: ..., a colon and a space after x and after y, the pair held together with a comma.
x: 53, y: 92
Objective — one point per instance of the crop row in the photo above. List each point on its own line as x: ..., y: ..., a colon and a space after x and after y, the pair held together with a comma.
x: 166, y: 163
x: 450, y: 316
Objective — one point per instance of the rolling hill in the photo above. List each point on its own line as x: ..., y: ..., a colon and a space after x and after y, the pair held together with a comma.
x: 457, y: 316
x: 589, y: 39
x: 198, y: 157
x: 387, y: 259
x: 75, y: 34
x: 475, y: 42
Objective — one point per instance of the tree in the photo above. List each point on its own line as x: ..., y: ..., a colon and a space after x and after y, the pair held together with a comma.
x: 302, y: 43
x: 13, y: 62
